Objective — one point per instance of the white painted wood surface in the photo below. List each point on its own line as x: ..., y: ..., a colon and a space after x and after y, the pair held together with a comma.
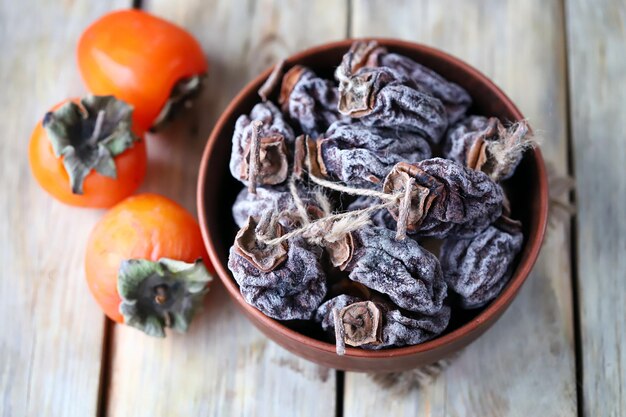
x: 51, y: 345
x: 52, y: 331
x: 525, y: 364
x: 597, y: 43
x: 223, y: 366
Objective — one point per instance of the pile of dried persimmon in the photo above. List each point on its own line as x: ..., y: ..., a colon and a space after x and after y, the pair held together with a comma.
x: 349, y: 181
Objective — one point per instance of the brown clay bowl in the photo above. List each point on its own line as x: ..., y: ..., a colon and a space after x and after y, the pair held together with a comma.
x: 528, y: 191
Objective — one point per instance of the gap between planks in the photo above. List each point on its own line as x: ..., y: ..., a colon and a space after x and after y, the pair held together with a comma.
x: 578, y: 346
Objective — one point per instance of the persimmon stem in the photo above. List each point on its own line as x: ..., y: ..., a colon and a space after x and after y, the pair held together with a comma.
x: 340, y: 334
x: 255, y: 156
x: 161, y: 295
x: 97, y: 127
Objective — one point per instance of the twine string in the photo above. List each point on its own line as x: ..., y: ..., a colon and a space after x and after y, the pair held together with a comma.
x: 333, y: 227
x: 313, y: 231
x: 365, y: 192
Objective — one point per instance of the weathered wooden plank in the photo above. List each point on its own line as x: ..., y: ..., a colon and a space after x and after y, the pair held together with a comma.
x: 525, y: 365
x: 596, y: 43
x: 223, y: 366
x: 52, y: 333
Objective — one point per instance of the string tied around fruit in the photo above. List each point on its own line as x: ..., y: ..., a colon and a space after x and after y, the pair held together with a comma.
x: 333, y: 227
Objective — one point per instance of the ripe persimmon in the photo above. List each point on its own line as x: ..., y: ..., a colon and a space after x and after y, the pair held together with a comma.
x: 148, y: 62
x: 144, y: 264
x: 88, y: 153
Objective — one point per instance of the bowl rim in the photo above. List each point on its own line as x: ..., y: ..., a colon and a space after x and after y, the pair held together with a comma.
x: 491, y: 312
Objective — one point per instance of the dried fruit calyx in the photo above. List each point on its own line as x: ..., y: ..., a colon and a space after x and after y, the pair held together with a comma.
x: 290, y: 79
x: 358, y: 93
x: 340, y: 251
x: 484, y: 144
x: 273, y: 167
x: 460, y: 202
x: 420, y: 197
x: 88, y: 135
x: 362, y: 323
x: 272, y: 81
x: 261, y: 145
x: 264, y: 257
x: 381, y: 96
x: 500, y: 156
x: 361, y: 54
x: 306, y: 158
x: 369, y: 54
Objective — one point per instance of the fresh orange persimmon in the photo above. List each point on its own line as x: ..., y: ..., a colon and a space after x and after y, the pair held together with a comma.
x: 144, y: 264
x: 144, y: 60
x: 87, y: 153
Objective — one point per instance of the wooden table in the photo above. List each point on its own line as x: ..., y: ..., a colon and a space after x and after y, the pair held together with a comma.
x: 560, y: 350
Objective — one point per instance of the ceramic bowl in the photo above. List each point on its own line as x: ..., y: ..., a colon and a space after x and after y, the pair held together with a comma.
x: 528, y: 191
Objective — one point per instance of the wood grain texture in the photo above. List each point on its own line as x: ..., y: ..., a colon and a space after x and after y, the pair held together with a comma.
x: 223, y: 366
x: 597, y: 42
x: 524, y: 365
x: 52, y: 332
